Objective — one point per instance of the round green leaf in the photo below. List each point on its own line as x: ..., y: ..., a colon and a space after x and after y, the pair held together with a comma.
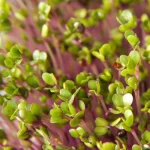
x: 65, y: 108
x: 146, y: 107
x: 92, y: 85
x: 9, y: 62
x: 124, y: 17
x: 23, y: 91
x: 55, y: 112
x: 68, y: 84
x: 55, y: 119
x: 100, y: 122
x: 44, y: 10
x: 15, y: 52
x: 129, y: 32
x: 5, y: 73
x: 133, y: 40
x: 128, y: 89
x: 131, y: 65
x: 105, y: 50
x: 118, y: 100
x: 74, y: 133
x: 22, y: 113
x: 135, y: 56
x: 112, y: 88
x: 15, y: 72
x: 106, y: 75
x: 72, y: 109
x: 98, y: 55
x: 29, y: 118
x: 22, y: 134
x: 22, y: 105
x: 108, y: 146
x: 45, y: 31
x: 71, y: 100
x: 36, y: 55
x: 44, y: 7
x: 99, y: 131
x: 136, y: 147
x: 65, y: 93
x: 39, y: 56
x: 81, y: 105
x: 62, y: 121
x: 119, y: 90
x: 36, y: 110
x: 127, y: 71
x: 92, y: 140
x: 33, y: 81
x: 43, y: 56
x: 74, y: 122
x: 80, y: 114
x: 124, y: 60
x: 133, y: 82
x: 81, y: 131
x: 43, y: 98
x: 116, y: 121
x: 80, y: 78
x: 21, y: 15
x: 11, y: 89
x: 89, y: 145
x: 49, y: 78
x: 146, y: 136
x: 9, y: 108
x: 129, y: 117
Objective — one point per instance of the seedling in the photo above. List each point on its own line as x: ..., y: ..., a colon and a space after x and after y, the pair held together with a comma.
x: 74, y: 75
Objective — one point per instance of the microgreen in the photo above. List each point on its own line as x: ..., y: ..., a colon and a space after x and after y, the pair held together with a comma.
x: 74, y: 75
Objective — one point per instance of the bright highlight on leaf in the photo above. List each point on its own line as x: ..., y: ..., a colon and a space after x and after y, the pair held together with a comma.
x: 127, y: 99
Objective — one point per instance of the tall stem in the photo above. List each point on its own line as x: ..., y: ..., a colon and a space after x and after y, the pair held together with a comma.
x: 105, y: 64
x: 103, y: 104
x: 94, y: 69
x: 21, y: 3
x: 137, y: 94
x: 85, y: 126
x: 136, y: 137
x: 137, y: 99
x: 58, y: 52
x: 51, y: 55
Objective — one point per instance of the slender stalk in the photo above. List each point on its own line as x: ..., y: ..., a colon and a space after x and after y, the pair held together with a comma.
x: 137, y: 99
x: 103, y: 104
x: 137, y: 94
x: 85, y: 126
x: 136, y: 137
x: 21, y: 3
x: 94, y: 69
x: 51, y: 55
x: 59, y: 26
x: 107, y: 24
x: 105, y: 64
x: 33, y: 145
x: 58, y: 52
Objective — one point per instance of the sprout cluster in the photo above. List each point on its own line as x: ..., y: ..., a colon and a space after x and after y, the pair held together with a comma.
x: 74, y: 75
